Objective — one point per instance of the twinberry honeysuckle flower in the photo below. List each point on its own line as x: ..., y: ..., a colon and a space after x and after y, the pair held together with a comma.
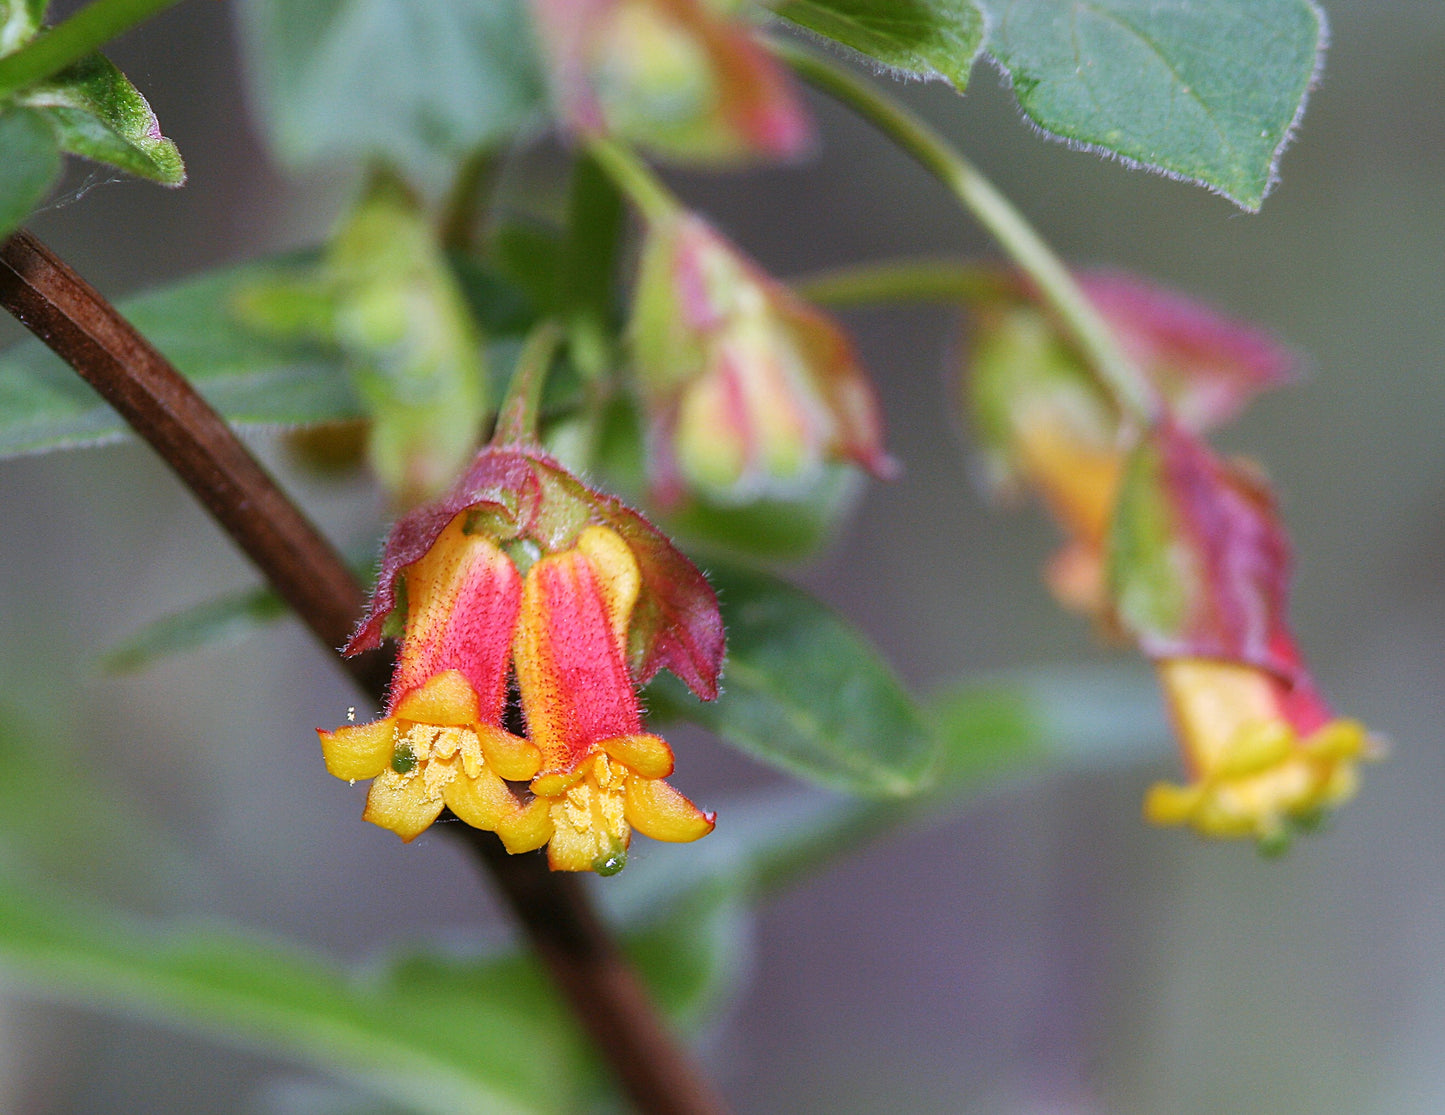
x: 441, y: 742
x: 1046, y: 425
x: 521, y: 573
x: 602, y: 775
x: 1266, y: 757
x: 750, y: 391
x: 678, y: 77
x: 1199, y: 577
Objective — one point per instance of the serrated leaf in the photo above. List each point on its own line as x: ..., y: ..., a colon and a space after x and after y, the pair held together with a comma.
x: 1206, y: 90
x: 421, y: 85
x: 250, y: 378
x: 99, y: 114
x: 921, y: 38
x: 30, y: 164
x: 483, y: 1037
x: 805, y: 691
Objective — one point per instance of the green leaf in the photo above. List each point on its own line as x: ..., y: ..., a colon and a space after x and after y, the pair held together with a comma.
x: 1205, y: 90
x: 804, y: 691
x: 224, y: 619
x: 692, y: 956
x: 422, y: 85
x: 993, y: 733
x: 250, y: 378
x: 921, y: 38
x: 30, y: 164
x: 99, y: 114
x: 441, y: 1036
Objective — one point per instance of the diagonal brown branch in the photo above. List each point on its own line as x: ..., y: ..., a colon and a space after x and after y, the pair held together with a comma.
x: 86, y: 331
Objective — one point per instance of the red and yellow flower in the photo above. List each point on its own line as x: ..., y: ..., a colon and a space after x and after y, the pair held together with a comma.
x: 1046, y: 425
x: 1264, y: 758
x: 522, y: 576
x: 1200, y: 574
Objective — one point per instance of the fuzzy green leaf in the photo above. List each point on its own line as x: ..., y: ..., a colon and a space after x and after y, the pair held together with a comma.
x: 805, y: 691
x: 920, y: 38
x: 421, y: 85
x: 30, y: 164
x: 97, y: 113
x: 1205, y: 90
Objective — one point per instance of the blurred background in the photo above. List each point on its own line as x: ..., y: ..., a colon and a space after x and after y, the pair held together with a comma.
x: 1042, y: 952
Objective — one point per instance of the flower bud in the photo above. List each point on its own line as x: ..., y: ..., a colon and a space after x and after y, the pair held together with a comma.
x: 674, y: 76
x: 750, y: 391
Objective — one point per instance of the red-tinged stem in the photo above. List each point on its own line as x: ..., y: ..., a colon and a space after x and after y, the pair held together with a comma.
x: 88, y: 334
x: 520, y: 412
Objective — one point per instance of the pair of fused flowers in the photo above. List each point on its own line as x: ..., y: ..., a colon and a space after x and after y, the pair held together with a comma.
x: 1171, y: 546
x: 522, y: 584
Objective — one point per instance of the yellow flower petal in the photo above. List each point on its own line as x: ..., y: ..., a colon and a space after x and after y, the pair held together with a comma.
x: 528, y: 828
x: 484, y: 802
x: 401, y: 803
x: 514, y: 758
x: 647, y: 755
x: 359, y: 751
x: 655, y: 809
x: 446, y: 700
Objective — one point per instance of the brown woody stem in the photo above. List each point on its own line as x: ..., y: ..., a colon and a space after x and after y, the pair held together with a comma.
x: 163, y: 408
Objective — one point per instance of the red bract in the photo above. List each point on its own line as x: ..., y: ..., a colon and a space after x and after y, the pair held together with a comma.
x: 1199, y: 564
x: 750, y: 390
x: 1046, y: 424
x: 522, y: 571
x: 1207, y: 366
x: 1200, y: 575
x: 670, y: 75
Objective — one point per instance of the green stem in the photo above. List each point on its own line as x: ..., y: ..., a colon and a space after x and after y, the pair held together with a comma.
x: 634, y: 178
x: 465, y: 200
x: 517, y: 420
x: 994, y: 211
x: 908, y: 280
x: 86, y: 31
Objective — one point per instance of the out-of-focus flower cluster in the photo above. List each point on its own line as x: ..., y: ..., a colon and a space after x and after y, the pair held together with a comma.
x: 1169, y: 545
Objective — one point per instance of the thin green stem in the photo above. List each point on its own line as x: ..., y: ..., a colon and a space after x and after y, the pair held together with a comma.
x: 906, y: 280
x: 634, y: 178
x: 88, y: 30
x: 518, y: 418
x: 465, y: 200
x: 996, y: 213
